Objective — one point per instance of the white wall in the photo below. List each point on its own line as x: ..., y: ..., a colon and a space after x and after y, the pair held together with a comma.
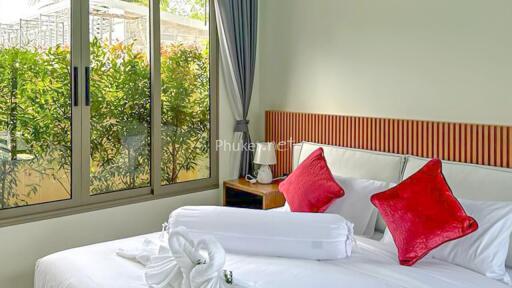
x: 416, y: 59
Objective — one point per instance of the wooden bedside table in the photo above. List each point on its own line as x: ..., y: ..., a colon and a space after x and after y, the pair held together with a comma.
x: 242, y: 194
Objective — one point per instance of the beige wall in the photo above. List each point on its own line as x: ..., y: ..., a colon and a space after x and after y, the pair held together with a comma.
x: 418, y: 59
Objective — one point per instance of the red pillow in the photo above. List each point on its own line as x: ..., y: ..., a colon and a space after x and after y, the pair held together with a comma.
x: 311, y: 186
x: 422, y: 213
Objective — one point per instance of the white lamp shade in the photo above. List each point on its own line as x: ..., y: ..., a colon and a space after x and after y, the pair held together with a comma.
x: 265, y: 153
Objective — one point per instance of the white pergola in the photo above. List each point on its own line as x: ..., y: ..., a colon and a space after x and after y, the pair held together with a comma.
x: 112, y: 21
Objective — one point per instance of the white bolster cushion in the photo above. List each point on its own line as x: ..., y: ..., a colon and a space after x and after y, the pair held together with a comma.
x: 269, y: 233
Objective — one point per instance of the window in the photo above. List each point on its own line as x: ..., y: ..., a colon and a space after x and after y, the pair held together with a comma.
x: 120, y: 95
x: 104, y: 102
x: 185, y: 91
x: 35, y: 103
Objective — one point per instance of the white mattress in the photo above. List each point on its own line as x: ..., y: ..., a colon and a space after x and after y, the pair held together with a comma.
x: 372, y: 265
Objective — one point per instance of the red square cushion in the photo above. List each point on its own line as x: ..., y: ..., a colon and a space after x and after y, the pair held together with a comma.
x: 311, y: 186
x: 422, y: 213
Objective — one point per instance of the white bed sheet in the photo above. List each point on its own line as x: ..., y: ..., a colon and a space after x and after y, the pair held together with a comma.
x: 373, y: 264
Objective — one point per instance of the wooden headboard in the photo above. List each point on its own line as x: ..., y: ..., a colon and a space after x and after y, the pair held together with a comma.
x: 461, y: 142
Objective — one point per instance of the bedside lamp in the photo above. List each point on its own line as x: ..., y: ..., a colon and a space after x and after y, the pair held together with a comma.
x: 265, y: 156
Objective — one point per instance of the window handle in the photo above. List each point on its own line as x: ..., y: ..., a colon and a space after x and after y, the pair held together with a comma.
x: 87, y: 86
x: 75, y: 86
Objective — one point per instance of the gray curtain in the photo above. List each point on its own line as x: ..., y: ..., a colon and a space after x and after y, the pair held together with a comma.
x: 238, y: 28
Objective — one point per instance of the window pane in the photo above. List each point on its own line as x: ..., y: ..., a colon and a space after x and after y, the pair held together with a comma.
x: 185, y: 90
x: 35, y: 107
x: 120, y: 95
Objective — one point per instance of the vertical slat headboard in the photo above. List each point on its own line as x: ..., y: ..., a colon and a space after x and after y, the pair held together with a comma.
x: 460, y: 142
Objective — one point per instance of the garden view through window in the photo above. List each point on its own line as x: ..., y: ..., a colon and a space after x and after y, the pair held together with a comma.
x: 120, y: 95
x: 185, y: 90
x: 35, y: 112
x: 36, y: 92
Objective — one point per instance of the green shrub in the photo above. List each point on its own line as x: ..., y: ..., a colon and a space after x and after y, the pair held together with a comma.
x: 35, y: 113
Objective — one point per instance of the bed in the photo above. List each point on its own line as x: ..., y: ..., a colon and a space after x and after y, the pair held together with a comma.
x: 372, y: 264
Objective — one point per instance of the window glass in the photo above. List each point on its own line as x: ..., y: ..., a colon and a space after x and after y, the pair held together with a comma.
x: 185, y: 95
x: 120, y: 95
x: 35, y: 102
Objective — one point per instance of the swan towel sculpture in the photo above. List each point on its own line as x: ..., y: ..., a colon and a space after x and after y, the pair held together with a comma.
x: 182, y: 264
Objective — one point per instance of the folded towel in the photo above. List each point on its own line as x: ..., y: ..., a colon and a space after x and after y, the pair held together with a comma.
x: 149, y: 248
x: 143, y: 254
x: 210, y: 273
x: 186, y: 267
x: 173, y: 269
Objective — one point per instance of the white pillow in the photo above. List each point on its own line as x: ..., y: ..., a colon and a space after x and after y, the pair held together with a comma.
x: 355, y: 206
x: 485, y: 250
x: 269, y: 233
x: 468, y: 181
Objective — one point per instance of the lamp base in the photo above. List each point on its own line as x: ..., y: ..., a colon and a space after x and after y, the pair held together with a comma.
x: 265, y: 174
